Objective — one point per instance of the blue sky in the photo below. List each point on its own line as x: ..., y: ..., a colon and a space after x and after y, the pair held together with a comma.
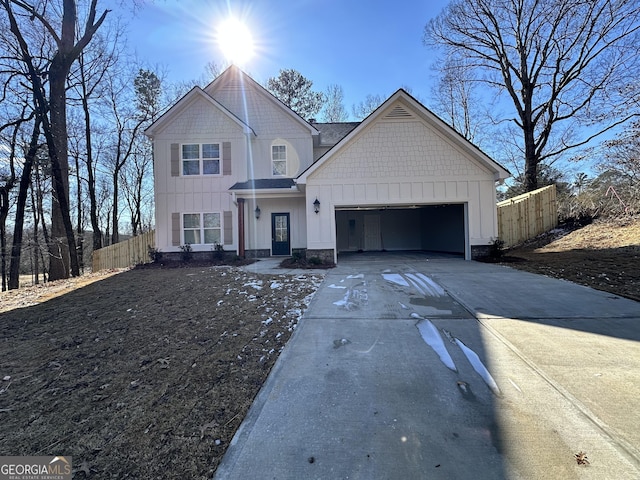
x: 372, y: 47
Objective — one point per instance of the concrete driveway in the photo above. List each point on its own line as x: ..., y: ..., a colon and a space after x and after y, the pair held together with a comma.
x: 412, y: 367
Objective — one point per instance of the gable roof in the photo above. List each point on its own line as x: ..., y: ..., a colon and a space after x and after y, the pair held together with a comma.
x: 406, y: 107
x: 234, y: 74
x: 177, y: 107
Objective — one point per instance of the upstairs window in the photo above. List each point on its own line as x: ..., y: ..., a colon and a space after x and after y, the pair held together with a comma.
x: 201, y: 159
x: 279, y: 160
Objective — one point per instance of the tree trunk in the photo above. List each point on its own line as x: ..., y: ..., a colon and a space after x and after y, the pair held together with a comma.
x: 531, y: 159
x: 35, y: 251
x: 115, y: 235
x: 62, y: 249
x: 91, y: 180
x: 25, y: 179
x: 4, y: 213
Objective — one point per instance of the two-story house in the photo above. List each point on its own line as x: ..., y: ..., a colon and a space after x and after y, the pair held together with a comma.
x: 234, y: 166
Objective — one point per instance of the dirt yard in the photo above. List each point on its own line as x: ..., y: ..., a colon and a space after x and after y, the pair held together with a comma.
x: 602, y: 255
x: 142, y: 374
x: 148, y: 373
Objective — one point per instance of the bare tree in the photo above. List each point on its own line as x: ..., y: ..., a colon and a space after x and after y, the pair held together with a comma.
x: 622, y: 154
x: 131, y: 103
x: 563, y: 64
x: 367, y: 106
x: 334, y: 110
x: 457, y: 101
x: 52, y: 108
x: 25, y: 181
x: 87, y: 81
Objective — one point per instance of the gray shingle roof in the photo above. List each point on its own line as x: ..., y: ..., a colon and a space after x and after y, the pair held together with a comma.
x: 332, y: 133
x: 264, y: 183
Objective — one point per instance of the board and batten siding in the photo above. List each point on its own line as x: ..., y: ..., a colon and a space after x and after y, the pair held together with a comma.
x: 259, y: 233
x: 201, y: 122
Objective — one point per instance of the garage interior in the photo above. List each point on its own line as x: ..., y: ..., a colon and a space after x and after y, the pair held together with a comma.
x: 427, y: 228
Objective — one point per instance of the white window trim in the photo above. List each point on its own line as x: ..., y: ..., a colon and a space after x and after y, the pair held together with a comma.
x: 202, y: 228
x: 286, y: 163
x: 201, y: 160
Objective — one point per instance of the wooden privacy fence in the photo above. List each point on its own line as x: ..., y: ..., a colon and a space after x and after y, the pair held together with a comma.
x: 124, y: 254
x: 525, y: 216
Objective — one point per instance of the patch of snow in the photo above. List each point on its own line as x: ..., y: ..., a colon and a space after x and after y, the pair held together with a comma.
x: 333, y: 285
x: 267, y: 321
x: 403, y: 306
x: 360, y: 275
x: 220, y: 302
x: 479, y: 367
x: 257, y: 284
x: 276, y: 285
x: 432, y: 337
x: 515, y: 385
x: 425, y: 285
x: 395, y: 278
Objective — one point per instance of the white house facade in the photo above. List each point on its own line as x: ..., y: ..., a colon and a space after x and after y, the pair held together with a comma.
x: 235, y: 167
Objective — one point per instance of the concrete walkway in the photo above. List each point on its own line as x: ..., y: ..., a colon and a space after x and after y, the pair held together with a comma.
x: 409, y: 367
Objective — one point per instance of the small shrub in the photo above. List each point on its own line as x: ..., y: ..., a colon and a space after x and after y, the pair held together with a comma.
x: 316, y: 261
x: 496, y: 249
x: 218, y: 251
x: 186, y: 252
x: 155, y: 255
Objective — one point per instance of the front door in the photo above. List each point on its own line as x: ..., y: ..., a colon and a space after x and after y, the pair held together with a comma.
x: 280, y: 243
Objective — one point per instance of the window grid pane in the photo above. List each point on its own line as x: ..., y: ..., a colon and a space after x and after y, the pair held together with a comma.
x: 279, y: 167
x: 192, y: 237
x: 191, y: 167
x: 212, y: 235
x: 211, y: 220
x: 279, y: 152
x: 281, y: 228
x: 190, y: 151
x: 211, y: 167
x: 210, y: 150
x: 191, y: 220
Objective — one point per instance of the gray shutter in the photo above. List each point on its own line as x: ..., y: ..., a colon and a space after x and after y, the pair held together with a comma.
x: 228, y: 227
x: 175, y: 160
x: 226, y: 158
x: 175, y: 229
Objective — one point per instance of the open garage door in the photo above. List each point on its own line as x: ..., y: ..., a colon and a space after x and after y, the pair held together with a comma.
x: 432, y: 228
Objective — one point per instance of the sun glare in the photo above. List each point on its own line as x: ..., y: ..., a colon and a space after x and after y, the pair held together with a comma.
x: 235, y: 41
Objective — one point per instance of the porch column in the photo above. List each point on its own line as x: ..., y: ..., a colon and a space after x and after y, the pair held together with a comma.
x: 241, y: 227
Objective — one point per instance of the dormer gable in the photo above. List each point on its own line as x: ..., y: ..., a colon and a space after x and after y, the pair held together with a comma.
x: 234, y: 87
x: 189, y: 98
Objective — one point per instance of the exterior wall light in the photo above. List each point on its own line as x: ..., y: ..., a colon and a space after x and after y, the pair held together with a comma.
x: 316, y: 205
x: 257, y: 212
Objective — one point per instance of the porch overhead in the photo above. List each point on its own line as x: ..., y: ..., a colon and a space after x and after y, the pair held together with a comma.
x: 266, y: 187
